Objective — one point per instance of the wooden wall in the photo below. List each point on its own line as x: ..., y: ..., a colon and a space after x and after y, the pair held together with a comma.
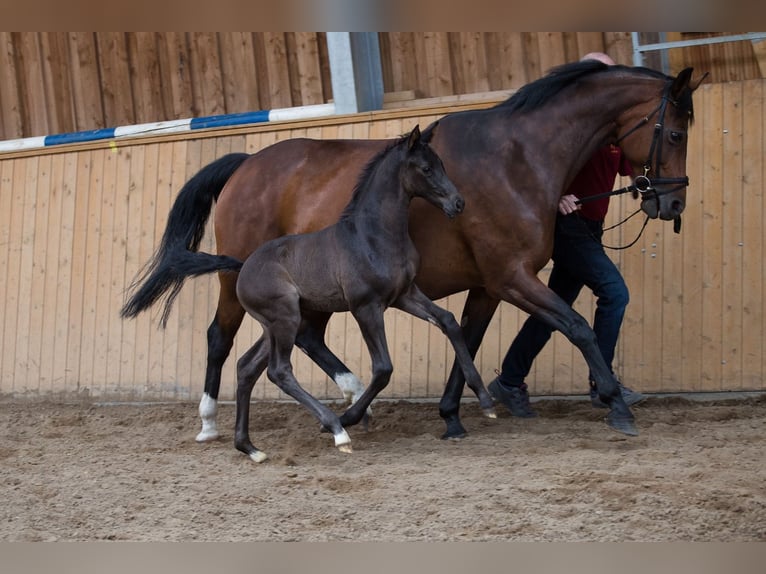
x: 77, y: 223
x: 56, y: 82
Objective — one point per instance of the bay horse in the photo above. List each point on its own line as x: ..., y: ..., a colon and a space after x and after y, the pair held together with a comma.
x: 364, y: 263
x: 511, y: 163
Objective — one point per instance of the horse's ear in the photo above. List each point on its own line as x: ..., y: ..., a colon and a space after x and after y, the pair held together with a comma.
x: 414, y: 137
x: 694, y: 85
x: 428, y: 133
x: 681, y: 83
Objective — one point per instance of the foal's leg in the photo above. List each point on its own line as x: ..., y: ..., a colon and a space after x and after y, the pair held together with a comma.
x: 311, y: 341
x: 249, y: 368
x: 477, y: 314
x: 370, y: 319
x: 220, y: 339
x: 283, y: 329
x: 413, y: 301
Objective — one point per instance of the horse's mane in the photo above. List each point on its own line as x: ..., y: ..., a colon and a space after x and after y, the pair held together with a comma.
x: 535, y: 94
x: 367, y: 172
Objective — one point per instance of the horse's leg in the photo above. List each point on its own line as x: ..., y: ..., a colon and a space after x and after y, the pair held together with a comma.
x: 534, y: 297
x: 283, y: 329
x: 311, y: 341
x: 249, y: 368
x: 413, y: 301
x: 477, y: 314
x: 220, y: 339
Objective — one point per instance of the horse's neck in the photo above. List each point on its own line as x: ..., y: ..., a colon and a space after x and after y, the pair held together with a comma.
x: 586, y: 124
x: 381, y: 211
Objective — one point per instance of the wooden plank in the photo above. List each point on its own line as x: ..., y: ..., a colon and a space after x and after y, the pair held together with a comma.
x: 239, y: 73
x: 114, y: 71
x: 473, y: 62
x: 38, y: 275
x: 24, y: 383
x: 732, y: 238
x: 71, y: 299
x: 552, y: 52
x: 102, y: 383
x: 404, y: 74
x: 7, y: 240
x: 712, y: 241
x: 206, y: 74
x: 57, y: 82
x: 86, y: 95
x: 65, y: 256
x: 274, y: 56
x: 175, y: 73
x: 131, y: 384
x: 753, y: 238
x: 436, y: 66
x: 116, y: 280
x: 145, y: 76
x: 531, y: 50
x: 30, y: 73
x: 308, y: 68
x: 12, y: 125
x: 692, y: 276
x: 759, y: 50
x: 13, y: 271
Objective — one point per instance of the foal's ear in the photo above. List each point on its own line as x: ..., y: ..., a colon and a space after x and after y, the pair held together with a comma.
x: 414, y: 137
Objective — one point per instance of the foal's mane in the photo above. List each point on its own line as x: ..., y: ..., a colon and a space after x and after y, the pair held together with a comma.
x: 367, y: 173
x: 535, y: 94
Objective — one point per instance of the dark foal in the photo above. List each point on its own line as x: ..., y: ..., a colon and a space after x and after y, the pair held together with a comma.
x: 364, y: 263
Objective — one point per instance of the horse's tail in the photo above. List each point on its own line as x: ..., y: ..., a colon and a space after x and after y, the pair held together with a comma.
x: 177, y: 257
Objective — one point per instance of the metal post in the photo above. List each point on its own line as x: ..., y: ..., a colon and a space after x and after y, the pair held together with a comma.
x: 357, y: 75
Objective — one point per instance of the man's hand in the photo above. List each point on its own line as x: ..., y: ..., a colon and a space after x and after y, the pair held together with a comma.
x: 567, y: 204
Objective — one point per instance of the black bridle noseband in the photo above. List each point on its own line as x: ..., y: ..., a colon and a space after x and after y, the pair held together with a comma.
x: 642, y: 184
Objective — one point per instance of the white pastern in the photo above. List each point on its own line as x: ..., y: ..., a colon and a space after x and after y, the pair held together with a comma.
x: 351, y: 387
x: 343, y: 441
x: 208, y: 409
x: 258, y: 456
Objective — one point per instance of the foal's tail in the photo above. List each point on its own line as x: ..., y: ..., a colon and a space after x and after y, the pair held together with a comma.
x: 177, y: 257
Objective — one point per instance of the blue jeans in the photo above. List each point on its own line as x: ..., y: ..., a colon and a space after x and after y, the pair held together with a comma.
x: 579, y: 260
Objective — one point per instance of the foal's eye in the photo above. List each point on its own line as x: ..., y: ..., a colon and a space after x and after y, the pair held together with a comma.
x: 427, y: 169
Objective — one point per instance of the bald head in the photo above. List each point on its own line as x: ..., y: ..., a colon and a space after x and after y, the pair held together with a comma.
x: 600, y: 56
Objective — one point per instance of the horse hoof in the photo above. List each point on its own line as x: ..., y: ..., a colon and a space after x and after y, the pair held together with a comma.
x: 207, y: 435
x: 345, y: 448
x: 490, y: 413
x: 455, y: 430
x: 258, y: 456
x: 622, y: 425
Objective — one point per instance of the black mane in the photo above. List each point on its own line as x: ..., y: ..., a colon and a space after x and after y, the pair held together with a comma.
x: 367, y: 173
x: 535, y: 94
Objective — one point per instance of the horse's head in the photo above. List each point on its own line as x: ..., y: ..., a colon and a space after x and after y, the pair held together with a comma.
x: 423, y: 174
x: 656, y: 145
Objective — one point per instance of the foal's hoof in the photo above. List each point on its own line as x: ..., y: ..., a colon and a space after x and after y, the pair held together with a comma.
x: 623, y: 425
x: 490, y: 413
x: 346, y: 448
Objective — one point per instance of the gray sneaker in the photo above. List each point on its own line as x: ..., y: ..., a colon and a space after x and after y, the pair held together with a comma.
x: 630, y: 396
x: 514, y: 398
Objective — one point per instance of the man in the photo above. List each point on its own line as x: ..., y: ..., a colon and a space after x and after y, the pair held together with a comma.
x: 579, y: 259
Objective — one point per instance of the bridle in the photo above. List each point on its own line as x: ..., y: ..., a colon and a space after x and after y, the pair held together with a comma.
x: 642, y: 184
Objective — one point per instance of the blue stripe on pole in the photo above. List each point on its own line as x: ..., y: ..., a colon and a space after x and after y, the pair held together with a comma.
x: 74, y: 137
x: 230, y: 120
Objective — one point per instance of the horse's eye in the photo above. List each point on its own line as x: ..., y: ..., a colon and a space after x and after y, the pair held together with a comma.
x: 676, y: 137
x: 427, y: 169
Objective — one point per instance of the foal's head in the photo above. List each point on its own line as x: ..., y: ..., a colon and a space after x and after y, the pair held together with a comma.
x: 422, y: 174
